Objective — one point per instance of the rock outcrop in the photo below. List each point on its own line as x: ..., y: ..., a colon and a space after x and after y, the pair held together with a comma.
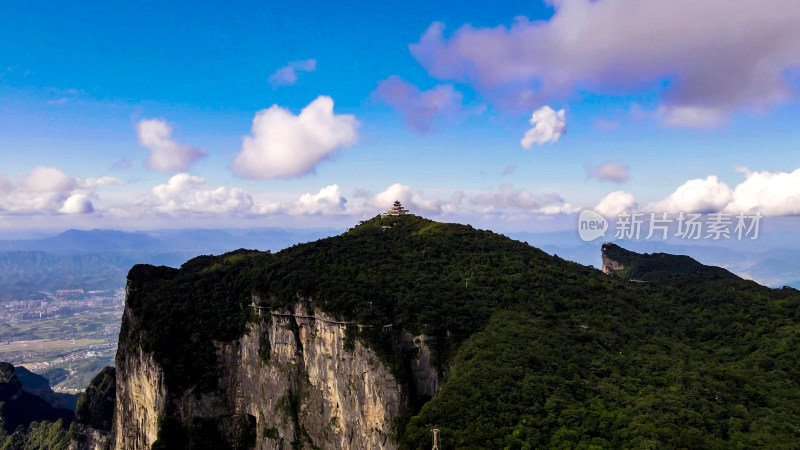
x: 295, y: 378
x: 609, y: 265
x: 20, y: 408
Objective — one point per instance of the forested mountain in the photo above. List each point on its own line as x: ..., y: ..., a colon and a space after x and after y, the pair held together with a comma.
x: 26, y: 420
x: 530, y: 350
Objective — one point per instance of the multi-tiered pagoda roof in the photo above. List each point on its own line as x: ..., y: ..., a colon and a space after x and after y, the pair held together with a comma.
x: 396, y: 210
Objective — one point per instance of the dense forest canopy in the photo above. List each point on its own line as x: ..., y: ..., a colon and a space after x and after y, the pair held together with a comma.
x: 537, y: 351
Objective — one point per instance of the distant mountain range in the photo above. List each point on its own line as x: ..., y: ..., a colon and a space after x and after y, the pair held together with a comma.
x: 165, y: 241
x: 99, y: 259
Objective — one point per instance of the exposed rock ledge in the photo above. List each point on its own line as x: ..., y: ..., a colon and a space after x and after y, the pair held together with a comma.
x: 302, y: 388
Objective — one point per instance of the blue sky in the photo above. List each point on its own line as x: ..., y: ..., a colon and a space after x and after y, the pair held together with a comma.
x: 77, y: 81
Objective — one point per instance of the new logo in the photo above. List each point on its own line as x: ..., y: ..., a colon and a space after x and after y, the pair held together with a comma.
x: 591, y: 225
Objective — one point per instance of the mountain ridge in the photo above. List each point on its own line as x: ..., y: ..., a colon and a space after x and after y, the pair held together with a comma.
x: 527, y: 348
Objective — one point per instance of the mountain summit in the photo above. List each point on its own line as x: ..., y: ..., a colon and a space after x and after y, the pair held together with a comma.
x: 372, y: 338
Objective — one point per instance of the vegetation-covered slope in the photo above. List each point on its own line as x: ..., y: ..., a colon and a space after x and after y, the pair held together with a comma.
x: 96, y: 405
x: 27, y: 421
x: 660, y: 267
x: 542, y: 352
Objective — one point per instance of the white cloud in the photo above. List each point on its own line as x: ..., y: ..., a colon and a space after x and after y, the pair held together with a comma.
x: 609, y: 171
x: 287, y: 75
x: 183, y: 193
x: 283, y: 145
x: 47, y: 179
x: 177, y: 186
x: 166, y: 154
x: 509, y: 197
x: 222, y: 200
x: 91, y: 183
x: 49, y: 190
x: 328, y: 200
x: 719, y: 55
x: 699, y: 195
x: 548, y: 126
x: 415, y: 201
x: 615, y: 203
x: 77, y: 204
x: 419, y: 108
x: 566, y: 208
x: 771, y: 193
x: 269, y: 208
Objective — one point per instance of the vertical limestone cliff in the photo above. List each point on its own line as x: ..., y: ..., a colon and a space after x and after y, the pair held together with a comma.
x: 141, y: 394
x: 609, y: 264
x: 293, y: 379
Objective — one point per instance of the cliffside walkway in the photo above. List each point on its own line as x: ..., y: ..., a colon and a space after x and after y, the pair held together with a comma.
x: 303, y: 316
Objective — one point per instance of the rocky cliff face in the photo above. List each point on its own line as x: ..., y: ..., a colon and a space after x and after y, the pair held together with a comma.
x: 141, y: 395
x: 88, y: 438
x: 293, y: 379
x: 609, y: 265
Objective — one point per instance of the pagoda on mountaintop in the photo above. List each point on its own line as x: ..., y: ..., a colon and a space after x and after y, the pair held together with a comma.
x: 395, y: 210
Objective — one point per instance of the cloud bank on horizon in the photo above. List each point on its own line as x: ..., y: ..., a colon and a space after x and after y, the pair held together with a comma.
x: 51, y: 191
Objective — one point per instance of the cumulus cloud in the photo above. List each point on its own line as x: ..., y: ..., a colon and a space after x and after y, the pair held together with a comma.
x: 718, y: 55
x: 77, y: 204
x: 184, y: 193
x: 166, y: 154
x: 419, y: 108
x: 47, y: 179
x: 566, y: 208
x: 509, y: 197
x: 287, y: 75
x: 696, y: 196
x: 283, y: 145
x: 50, y: 190
x: 412, y: 200
x: 548, y: 126
x: 269, y: 208
x: 771, y: 193
x: 328, y: 200
x: 609, y: 171
x: 616, y: 203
